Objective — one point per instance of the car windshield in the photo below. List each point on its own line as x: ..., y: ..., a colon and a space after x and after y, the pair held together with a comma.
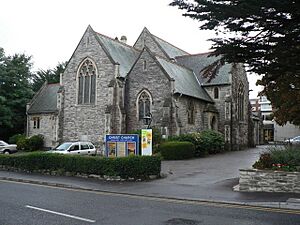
x: 3, y: 143
x: 63, y: 146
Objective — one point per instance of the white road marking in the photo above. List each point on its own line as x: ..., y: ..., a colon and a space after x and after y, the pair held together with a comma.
x: 61, y: 214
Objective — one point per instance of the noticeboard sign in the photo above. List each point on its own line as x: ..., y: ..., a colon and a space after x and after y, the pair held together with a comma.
x: 120, y: 145
x: 146, y: 141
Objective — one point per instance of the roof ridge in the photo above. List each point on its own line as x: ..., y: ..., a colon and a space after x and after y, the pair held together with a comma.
x: 117, y: 41
x: 196, y: 54
x: 170, y: 61
x: 169, y: 43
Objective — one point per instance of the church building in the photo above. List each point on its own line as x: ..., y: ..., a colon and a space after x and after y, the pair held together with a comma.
x: 108, y: 87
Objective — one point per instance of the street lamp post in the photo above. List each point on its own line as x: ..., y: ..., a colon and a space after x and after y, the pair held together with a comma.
x: 148, y: 120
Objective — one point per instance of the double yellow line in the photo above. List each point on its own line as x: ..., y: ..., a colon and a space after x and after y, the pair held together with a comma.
x: 166, y: 199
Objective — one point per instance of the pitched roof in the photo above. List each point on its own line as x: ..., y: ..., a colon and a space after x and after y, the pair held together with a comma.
x: 121, y: 53
x: 45, y: 101
x: 198, y: 62
x: 185, y: 80
x: 171, y: 50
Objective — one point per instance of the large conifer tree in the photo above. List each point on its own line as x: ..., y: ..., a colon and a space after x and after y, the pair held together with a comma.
x: 263, y: 34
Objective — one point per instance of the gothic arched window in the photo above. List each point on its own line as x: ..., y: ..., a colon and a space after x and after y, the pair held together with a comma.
x: 143, y: 106
x: 87, y: 83
x: 240, y: 102
x: 216, y: 93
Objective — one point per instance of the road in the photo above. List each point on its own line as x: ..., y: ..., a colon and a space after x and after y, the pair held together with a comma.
x: 22, y: 204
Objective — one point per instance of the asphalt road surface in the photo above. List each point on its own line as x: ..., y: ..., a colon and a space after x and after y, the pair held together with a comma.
x: 37, y: 205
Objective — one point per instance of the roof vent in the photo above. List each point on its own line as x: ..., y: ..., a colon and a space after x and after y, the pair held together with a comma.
x: 124, y: 39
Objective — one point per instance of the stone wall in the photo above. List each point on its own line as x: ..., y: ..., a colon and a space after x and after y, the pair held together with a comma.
x: 154, y: 81
x: 253, y: 180
x: 182, y: 113
x: 146, y: 39
x: 224, y: 92
x: 87, y: 120
x: 48, y: 128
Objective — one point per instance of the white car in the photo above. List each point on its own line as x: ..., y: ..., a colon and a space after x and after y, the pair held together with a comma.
x: 293, y: 141
x: 75, y: 148
x: 7, y: 148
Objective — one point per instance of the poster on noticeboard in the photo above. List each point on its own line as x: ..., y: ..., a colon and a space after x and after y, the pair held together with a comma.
x: 120, y: 145
x: 146, y: 140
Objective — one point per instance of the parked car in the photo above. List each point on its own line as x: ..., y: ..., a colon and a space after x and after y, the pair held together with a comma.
x: 293, y: 141
x: 6, y: 148
x: 78, y: 148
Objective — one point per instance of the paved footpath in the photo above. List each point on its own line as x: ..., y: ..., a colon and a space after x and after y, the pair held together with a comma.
x: 209, y: 179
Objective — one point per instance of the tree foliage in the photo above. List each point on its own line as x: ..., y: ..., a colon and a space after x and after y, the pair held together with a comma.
x: 15, y: 92
x: 49, y: 75
x: 263, y: 34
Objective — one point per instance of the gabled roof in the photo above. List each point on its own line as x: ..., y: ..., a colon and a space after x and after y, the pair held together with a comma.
x: 168, y: 49
x: 198, y: 62
x: 171, y: 50
x: 45, y: 101
x: 121, y: 53
x: 186, y: 82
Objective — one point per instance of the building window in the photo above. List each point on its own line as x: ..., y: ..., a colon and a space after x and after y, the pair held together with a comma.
x: 191, y: 112
x: 227, y: 133
x: 216, y: 93
x: 227, y: 110
x: 240, y: 102
x: 36, y: 122
x: 87, y: 83
x: 144, y: 65
x: 144, y: 103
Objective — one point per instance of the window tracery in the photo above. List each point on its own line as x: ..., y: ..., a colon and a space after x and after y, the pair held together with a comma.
x: 87, y: 83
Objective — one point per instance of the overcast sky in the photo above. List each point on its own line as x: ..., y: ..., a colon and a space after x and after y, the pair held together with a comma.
x: 49, y: 30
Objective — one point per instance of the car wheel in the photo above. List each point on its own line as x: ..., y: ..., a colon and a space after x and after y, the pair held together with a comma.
x: 6, y: 152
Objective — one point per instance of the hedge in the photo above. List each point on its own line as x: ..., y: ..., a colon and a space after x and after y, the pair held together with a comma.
x: 135, y: 167
x: 177, y: 150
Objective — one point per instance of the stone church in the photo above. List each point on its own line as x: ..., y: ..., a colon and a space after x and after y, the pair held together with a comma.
x: 108, y: 87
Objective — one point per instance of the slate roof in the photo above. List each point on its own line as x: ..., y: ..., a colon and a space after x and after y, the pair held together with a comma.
x: 199, y: 62
x: 46, y: 100
x: 185, y: 80
x: 171, y: 50
x: 121, y: 53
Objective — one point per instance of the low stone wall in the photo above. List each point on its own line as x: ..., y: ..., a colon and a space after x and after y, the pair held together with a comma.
x: 253, y: 180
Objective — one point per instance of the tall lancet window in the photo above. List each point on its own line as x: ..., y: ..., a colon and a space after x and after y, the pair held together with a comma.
x: 143, y: 106
x: 240, y: 102
x: 87, y: 83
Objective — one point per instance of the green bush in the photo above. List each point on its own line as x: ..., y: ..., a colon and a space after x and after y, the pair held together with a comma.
x: 14, y: 139
x: 206, y: 142
x: 177, y: 150
x: 264, y: 162
x: 279, y: 159
x: 23, y: 144
x: 34, y: 143
x: 194, y: 138
x: 212, y: 141
x: 136, y: 167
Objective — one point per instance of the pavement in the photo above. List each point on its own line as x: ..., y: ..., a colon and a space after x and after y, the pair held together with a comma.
x: 203, y: 179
